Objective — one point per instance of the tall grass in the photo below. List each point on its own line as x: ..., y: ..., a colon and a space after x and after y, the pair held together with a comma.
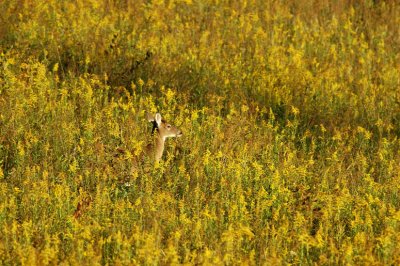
x: 290, y: 114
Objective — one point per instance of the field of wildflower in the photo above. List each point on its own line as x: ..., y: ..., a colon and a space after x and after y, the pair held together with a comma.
x: 290, y: 112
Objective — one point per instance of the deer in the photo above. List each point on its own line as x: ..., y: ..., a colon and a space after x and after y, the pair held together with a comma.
x: 161, y: 131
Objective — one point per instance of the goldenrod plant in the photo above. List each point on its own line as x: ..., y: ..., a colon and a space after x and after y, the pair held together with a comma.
x: 290, y: 113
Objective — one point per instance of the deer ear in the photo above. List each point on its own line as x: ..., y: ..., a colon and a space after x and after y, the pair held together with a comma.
x: 149, y: 117
x: 157, y: 118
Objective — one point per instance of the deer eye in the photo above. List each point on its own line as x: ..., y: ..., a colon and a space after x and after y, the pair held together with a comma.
x: 169, y: 126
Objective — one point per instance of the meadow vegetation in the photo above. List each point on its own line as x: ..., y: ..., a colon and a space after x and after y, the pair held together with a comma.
x: 290, y: 112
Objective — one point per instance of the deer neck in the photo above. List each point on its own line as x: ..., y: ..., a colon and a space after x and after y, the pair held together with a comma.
x: 159, y: 147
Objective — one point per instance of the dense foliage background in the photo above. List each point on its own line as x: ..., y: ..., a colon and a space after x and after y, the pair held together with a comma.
x: 291, y: 119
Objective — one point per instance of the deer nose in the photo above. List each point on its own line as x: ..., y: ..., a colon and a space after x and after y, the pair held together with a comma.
x: 179, y: 134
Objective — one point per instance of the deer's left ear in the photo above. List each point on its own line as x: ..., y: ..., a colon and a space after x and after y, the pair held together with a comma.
x: 157, y: 118
x: 149, y: 117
